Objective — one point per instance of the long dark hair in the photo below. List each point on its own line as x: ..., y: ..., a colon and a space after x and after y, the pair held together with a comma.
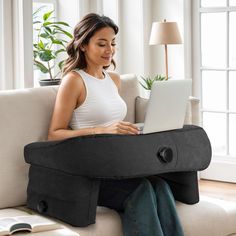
x: 83, y: 31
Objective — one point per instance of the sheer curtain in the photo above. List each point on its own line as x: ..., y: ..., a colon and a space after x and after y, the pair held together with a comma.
x: 6, y: 76
x: 16, y: 44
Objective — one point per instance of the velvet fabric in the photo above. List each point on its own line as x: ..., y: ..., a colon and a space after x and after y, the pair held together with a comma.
x: 65, y: 176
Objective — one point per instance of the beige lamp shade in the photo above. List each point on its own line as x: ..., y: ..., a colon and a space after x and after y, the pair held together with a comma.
x: 165, y: 33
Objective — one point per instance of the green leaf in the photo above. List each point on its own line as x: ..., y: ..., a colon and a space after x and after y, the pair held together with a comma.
x: 59, y: 51
x: 159, y: 78
x: 47, y: 29
x: 57, y: 27
x: 67, y: 33
x: 56, y: 41
x: 64, y: 41
x: 38, y: 10
x: 46, y: 55
x: 47, y: 23
x: 147, y: 83
x: 36, y: 22
x: 47, y: 15
x: 143, y: 86
x: 35, y: 53
x: 41, y: 66
x: 41, y: 45
x: 60, y: 64
x: 57, y: 23
x: 44, y: 35
x: 61, y: 31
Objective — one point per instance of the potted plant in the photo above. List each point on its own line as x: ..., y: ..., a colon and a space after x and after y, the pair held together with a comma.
x: 50, y: 41
x: 148, y: 81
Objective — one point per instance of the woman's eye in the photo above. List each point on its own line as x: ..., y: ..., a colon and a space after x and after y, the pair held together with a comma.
x: 104, y: 45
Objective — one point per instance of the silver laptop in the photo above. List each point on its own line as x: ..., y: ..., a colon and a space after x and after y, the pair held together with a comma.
x: 167, y: 106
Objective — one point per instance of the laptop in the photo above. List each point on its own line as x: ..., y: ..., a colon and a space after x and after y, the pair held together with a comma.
x: 167, y: 106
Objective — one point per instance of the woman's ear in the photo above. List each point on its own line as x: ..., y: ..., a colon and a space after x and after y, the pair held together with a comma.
x: 82, y: 48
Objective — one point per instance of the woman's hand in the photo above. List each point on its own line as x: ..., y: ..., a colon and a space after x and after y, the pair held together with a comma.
x: 121, y: 127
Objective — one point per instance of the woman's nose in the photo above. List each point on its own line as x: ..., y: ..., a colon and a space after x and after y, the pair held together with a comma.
x: 109, y: 48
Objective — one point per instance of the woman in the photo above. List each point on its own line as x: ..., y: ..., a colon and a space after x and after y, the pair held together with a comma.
x: 88, y: 102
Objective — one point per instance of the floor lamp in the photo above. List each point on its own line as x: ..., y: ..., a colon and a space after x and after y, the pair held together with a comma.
x: 165, y: 33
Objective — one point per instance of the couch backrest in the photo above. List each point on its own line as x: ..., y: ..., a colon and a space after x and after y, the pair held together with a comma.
x: 25, y: 116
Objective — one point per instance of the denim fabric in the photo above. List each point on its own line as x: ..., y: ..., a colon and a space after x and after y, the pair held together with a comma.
x: 150, y: 210
x: 140, y: 215
x: 146, y: 206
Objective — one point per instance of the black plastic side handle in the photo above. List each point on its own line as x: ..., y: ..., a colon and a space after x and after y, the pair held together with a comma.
x: 42, y: 206
x: 165, y: 154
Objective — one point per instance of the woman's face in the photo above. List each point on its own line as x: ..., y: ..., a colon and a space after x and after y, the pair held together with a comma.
x: 101, y: 47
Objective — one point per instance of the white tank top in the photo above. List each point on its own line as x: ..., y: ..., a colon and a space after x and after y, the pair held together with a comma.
x: 102, y: 105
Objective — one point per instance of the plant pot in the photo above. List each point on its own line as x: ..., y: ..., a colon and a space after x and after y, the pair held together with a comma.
x: 49, y: 82
x: 146, y: 94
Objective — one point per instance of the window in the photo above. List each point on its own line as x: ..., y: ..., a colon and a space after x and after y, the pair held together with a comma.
x: 217, y: 75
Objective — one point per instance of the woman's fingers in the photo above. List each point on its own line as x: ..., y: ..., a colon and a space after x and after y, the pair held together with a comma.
x: 123, y: 127
x: 127, y: 128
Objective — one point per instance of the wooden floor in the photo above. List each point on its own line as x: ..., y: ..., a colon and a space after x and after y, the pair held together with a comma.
x: 221, y: 190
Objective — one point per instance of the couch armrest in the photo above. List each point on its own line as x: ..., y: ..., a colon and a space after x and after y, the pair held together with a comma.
x: 192, y: 112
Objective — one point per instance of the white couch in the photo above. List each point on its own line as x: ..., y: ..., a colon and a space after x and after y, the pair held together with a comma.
x: 25, y: 116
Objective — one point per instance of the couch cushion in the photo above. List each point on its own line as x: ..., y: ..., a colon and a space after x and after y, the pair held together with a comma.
x: 129, y: 91
x: 108, y: 223
x: 210, y: 217
x: 25, y: 117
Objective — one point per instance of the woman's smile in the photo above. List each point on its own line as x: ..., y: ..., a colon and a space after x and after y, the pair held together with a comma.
x: 107, y: 58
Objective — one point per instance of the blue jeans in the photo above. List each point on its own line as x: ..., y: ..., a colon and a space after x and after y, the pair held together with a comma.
x: 146, y: 206
x: 150, y: 210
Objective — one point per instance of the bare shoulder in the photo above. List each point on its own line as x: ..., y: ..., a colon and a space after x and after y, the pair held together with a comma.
x: 115, y: 77
x: 71, y: 82
x: 71, y: 78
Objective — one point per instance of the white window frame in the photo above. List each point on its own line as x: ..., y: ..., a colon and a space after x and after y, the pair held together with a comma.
x: 222, y: 168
